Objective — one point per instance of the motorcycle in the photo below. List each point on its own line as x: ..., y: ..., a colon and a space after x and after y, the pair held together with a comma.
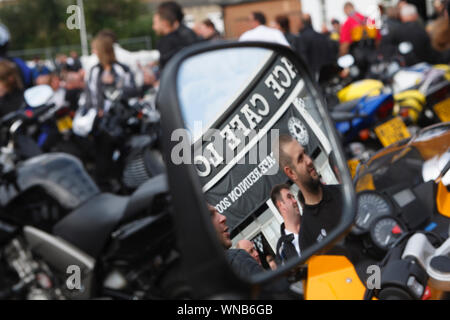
x: 132, y: 130
x: 54, y: 219
x: 401, y: 226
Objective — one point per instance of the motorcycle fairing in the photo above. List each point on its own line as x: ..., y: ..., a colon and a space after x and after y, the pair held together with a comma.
x: 61, y: 175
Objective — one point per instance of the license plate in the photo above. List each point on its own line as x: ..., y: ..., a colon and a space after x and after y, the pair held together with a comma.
x: 392, y: 131
x: 64, y: 124
x: 352, y: 165
x: 442, y: 110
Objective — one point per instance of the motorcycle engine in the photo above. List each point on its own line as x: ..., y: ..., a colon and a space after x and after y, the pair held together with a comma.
x: 35, y: 278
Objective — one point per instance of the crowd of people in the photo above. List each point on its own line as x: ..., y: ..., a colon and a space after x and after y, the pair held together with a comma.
x: 357, y: 35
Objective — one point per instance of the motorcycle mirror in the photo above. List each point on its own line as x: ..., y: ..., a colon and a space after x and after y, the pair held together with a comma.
x: 225, y: 109
x: 405, y: 47
x: 37, y: 96
x: 346, y: 61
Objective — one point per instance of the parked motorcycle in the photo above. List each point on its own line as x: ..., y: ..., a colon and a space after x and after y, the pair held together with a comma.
x: 54, y: 220
x: 131, y: 130
x: 401, y: 226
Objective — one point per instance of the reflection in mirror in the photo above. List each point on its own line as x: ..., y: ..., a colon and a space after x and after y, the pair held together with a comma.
x: 262, y: 154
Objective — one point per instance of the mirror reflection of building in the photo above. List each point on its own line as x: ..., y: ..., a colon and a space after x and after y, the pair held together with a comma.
x: 322, y: 204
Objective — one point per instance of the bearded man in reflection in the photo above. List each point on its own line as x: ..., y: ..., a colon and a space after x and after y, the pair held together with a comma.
x: 244, y: 264
x: 321, y: 204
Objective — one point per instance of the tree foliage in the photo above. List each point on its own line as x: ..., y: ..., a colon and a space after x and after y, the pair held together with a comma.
x: 42, y: 23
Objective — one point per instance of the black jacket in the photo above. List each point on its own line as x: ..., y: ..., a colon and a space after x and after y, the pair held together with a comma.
x: 413, y: 32
x: 245, y: 266
x: 173, y: 42
x: 316, y: 48
x: 285, y: 248
x: 11, y: 102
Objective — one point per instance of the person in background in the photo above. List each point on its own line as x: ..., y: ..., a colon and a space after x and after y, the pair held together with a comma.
x: 74, y: 86
x: 316, y: 48
x: 107, y: 75
x: 207, y: 31
x: 357, y: 31
x: 24, y: 71
x: 439, y: 31
x: 73, y: 62
x: 282, y: 23
x: 335, y: 34
x: 249, y: 246
x: 61, y: 64
x: 174, y: 35
x: 39, y: 69
x: 410, y: 30
x: 438, y: 9
x: 260, y: 32
x: 11, y: 88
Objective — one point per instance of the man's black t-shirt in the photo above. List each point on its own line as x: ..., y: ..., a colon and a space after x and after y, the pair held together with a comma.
x: 320, y: 219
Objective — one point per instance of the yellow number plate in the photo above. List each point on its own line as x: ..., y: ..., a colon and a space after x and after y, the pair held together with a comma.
x: 392, y: 131
x: 352, y: 165
x: 442, y: 110
x: 64, y: 124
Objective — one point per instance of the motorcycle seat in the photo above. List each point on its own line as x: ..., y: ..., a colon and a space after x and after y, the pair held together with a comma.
x: 346, y: 106
x: 90, y: 225
x: 142, y: 198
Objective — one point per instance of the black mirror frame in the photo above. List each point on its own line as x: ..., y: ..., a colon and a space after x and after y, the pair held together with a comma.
x: 204, y: 259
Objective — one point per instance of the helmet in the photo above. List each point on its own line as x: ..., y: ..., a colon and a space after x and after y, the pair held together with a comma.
x: 83, y: 122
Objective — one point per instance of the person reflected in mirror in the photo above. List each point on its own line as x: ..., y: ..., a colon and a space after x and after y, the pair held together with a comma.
x: 321, y: 204
x: 260, y: 32
x: 243, y: 263
x: 288, y: 245
x: 250, y: 248
x: 270, y: 259
x: 240, y: 260
x: 174, y: 35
